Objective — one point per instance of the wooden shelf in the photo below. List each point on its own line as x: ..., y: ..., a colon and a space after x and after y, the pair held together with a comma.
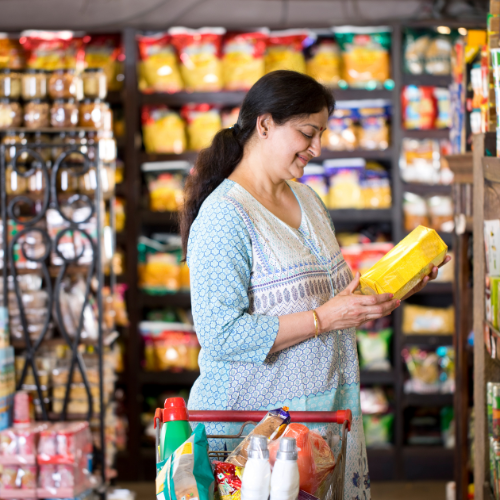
x: 427, y: 80
x: 437, y: 133
x: 149, y: 217
x: 372, y: 377
x: 413, y: 399
x: 428, y: 340
x: 491, y: 166
x: 181, y: 299
x: 427, y: 189
x: 185, y: 379
x: 431, y: 462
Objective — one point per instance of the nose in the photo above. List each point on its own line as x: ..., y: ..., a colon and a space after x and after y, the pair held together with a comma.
x: 315, y: 147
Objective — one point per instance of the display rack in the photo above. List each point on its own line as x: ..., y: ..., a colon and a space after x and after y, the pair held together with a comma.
x: 37, y: 205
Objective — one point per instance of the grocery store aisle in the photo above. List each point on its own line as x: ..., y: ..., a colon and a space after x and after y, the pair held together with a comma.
x: 428, y: 490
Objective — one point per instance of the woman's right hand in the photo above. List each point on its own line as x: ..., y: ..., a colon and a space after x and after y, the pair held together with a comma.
x: 347, y: 309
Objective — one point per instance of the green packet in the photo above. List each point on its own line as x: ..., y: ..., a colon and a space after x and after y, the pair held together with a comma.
x: 187, y: 474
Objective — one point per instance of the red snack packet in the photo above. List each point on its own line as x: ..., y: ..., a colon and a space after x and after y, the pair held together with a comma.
x: 228, y: 480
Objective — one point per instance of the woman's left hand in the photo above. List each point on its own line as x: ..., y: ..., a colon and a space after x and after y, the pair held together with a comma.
x: 432, y: 276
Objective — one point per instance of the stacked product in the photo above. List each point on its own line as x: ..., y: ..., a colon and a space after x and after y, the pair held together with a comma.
x: 349, y: 183
x: 435, y: 212
x: 374, y: 341
x: 377, y: 417
x: 7, y: 385
x: 425, y: 108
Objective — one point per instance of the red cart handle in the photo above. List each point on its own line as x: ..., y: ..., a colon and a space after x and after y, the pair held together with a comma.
x: 309, y: 417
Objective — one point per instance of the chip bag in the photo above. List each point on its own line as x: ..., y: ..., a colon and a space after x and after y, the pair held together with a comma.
x: 158, y: 66
x: 163, y: 130
x: 284, y: 51
x: 405, y: 265
x: 12, y: 54
x: 199, y: 53
x: 203, y: 122
x: 228, y: 479
x: 272, y: 426
x: 187, y: 474
x: 324, y: 62
x: 315, y: 458
x: 365, y: 54
x: 243, y: 59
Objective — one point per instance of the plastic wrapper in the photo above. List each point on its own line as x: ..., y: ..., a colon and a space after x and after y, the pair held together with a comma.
x: 243, y: 59
x: 344, y: 178
x: 378, y: 430
x: 438, y: 56
x: 165, y: 191
x: 284, y: 51
x: 419, y: 107
x: 374, y: 349
x: 106, y: 52
x: 158, y: 66
x: 271, y: 426
x: 365, y: 54
x: 12, y: 54
x: 376, y: 189
x: 315, y: 458
x: 199, y: 53
x: 203, y: 122
x: 228, y: 479
x: 443, y: 118
x: 416, y: 43
x: 405, y: 265
x: 163, y: 130
x: 373, y: 401
x: 423, y: 320
x: 188, y: 471
x: 324, y: 61
x: 373, y: 133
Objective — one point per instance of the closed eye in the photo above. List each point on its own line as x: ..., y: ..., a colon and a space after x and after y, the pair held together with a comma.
x: 308, y: 136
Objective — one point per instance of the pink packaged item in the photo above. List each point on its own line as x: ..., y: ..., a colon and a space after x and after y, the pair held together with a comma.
x: 28, y: 477
x: 18, y: 446
x: 46, y: 476
x: 64, y: 443
x: 9, y: 477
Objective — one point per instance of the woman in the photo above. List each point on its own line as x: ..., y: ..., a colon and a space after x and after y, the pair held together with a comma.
x: 272, y: 296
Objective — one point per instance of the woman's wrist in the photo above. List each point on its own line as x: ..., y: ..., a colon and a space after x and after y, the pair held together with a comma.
x: 322, y: 320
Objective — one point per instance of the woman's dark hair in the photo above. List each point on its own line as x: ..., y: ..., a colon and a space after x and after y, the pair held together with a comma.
x: 283, y: 94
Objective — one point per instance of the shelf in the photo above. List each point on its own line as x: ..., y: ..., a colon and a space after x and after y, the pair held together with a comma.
x: 115, y: 97
x: 431, y: 462
x: 181, y: 299
x: 149, y: 217
x: 152, y: 157
x: 427, y: 189
x: 185, y: 379
x: 235, y: 98
x: 434, y: 288
x: 427, y: 134
x: 427, y: 80
x: 108, y: 339
x: 491, y: 167
x: 369, y: 377
x: 413, y: 399
x: 428, y: 340
x: 361, y: 216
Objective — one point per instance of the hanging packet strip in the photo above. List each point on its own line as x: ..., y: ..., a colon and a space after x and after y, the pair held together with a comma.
x: 187, y: 474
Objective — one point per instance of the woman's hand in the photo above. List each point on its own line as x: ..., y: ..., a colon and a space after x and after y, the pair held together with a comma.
x: 432, y: 276
x: 347, y: 309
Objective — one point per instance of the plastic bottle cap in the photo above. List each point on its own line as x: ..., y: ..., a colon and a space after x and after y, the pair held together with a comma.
x: 174, y: 409
x: 288, y: 449
x: 258, y: 447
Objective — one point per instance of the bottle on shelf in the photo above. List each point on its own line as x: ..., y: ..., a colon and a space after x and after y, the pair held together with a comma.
x: 175, y: 429
x: 285, y: 478
x: 256, y: 480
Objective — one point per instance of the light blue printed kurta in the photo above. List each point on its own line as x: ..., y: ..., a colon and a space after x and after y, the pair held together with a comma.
x: 247, y: 268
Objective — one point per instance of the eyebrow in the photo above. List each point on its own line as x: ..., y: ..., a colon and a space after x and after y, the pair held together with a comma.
x: 311, y: 125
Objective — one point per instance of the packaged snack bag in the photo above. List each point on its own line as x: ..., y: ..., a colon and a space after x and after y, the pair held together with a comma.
x: 272, y: 426
x: 284, y: 51
x: 158, y: 66
x: 163, y: 130
x: 315, y: 458
x: 106, y: 52
x: 199, y: 53
x: 406, y: 264
x: 416, y: 43
x: 423, y: 320
x: 203, y: 122
x: 323, y: 63
x: 374, y: 121
x: 419, y: 107
x: 243, y: 59
x: 365, y: 54
x: 12, y: 55
x: 187, y: 474
x: 228, y: 479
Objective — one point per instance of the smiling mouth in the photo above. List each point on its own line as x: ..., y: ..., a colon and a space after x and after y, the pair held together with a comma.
x: 303, y: 159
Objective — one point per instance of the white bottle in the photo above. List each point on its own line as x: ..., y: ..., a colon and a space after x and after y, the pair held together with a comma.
x: 256, y: 480
x: 285, y: 479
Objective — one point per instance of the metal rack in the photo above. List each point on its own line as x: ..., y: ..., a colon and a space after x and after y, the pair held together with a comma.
x: 37, y: 207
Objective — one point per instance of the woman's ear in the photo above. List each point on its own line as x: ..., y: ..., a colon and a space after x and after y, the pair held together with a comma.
x: 264, y: 123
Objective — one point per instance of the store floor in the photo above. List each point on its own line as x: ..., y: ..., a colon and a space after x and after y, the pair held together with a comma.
x: 428, y: 490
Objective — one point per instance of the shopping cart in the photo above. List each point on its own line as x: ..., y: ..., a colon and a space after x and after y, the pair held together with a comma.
x: 333, y: 487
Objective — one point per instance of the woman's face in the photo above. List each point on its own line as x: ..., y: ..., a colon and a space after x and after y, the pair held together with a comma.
x: 291, y: 146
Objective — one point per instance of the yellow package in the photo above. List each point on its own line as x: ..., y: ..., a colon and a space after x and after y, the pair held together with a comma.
x: 199, y: 53
x: 284, y: 51
x: 203, y: 122
x: 421, y: 320
x: 324, y: 63
x: 406, y: 264
x: 163, y: 130
x: 243, y: 59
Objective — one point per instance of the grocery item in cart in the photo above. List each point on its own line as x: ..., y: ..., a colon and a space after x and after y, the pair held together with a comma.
x: 187, y: 473
x: 228, y: 480
x: 271, y: 426
x: 285, y: 477
x: 199, y: 53
x: 406, y: 264
x: 284, y: 50
x: 256, y: 480
x: 315, y: 458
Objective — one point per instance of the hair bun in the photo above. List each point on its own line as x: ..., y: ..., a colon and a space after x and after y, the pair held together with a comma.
x: 236, y: 129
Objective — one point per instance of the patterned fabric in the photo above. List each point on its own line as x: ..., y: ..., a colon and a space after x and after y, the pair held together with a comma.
x: 247, y: 268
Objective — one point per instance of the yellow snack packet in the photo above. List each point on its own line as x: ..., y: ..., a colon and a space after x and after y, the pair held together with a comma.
x: 405, y: 265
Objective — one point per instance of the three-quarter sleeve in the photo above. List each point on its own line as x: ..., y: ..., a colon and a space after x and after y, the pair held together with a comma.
x: 220, y: 262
